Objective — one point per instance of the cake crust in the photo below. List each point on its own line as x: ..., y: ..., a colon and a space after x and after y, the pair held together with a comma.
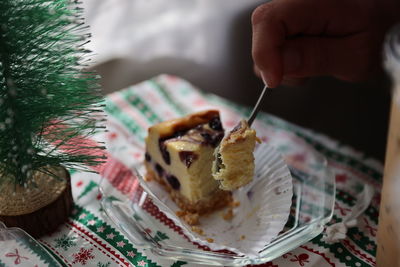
x: 218, y: 200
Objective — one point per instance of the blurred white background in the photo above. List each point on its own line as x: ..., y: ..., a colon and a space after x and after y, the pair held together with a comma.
x: 204, y: 41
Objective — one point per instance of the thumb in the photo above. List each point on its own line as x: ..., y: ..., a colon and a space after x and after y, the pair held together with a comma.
x: 347, y: 58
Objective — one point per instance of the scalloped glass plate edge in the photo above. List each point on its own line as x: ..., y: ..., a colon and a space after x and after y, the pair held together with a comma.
x: 121, y: 214
x: 22, y: 240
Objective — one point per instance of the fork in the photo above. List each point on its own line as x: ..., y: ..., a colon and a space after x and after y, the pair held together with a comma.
x: 257, y: 106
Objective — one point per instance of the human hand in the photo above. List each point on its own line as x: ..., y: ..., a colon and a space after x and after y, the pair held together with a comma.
x: 296, y: 39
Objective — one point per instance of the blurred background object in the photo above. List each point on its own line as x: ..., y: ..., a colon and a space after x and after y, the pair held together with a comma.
x: 208, y: 43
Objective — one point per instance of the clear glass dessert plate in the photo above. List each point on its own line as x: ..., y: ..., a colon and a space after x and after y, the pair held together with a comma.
x: 18, y: 248
x: 312, y: 207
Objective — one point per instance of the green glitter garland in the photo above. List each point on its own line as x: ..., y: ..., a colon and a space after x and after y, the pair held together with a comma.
x: 48, y: 103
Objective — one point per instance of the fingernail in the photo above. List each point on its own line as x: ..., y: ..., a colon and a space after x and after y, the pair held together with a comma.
x: 291, y: 60
x: 264, y: 79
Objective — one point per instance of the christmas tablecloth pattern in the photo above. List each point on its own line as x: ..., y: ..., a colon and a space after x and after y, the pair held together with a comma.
x: 88, y: 238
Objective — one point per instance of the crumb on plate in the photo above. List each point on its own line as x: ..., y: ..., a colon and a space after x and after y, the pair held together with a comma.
x: 189, y: 218
x: 234, y: 204
x: 148, y: 178
x: 228, y: 215
x: 197, y: 230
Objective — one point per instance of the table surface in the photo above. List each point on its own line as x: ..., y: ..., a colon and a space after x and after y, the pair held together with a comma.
x: 88, y: 238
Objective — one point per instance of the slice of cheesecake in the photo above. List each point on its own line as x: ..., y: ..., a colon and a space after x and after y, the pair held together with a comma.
x: 234, y: 160
x: 179, y: 155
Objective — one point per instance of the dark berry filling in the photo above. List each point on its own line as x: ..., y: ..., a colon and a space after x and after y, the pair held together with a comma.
x: 163, y: 148
x: 159, y: 170
x: 212, y: 139
x: 199, y: 127
x: 178, y: 134
x: 215, y: 124
x: 147, y: 157
x: 187, y: 157
x: 207, y: 137
x: 173, y: 181
x: 164, y: 153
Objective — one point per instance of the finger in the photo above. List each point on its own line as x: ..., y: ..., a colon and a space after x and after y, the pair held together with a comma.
x: 276, y: 21
x: 288, y: 81
x: 266, y: 44
x: 347, y: 58
x: 259, y: 74
x: 256, y: 71
x: 294, y: 81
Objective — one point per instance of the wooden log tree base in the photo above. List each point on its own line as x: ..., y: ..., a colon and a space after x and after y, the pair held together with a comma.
x: 37, y: 210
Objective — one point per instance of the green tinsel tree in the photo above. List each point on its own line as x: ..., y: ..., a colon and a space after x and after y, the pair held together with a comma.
x: 48, y: 103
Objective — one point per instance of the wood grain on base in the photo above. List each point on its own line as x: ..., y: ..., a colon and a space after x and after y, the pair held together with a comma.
x: 48, y: 217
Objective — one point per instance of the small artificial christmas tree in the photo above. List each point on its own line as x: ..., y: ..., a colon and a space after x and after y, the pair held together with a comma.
x: 48, y: 107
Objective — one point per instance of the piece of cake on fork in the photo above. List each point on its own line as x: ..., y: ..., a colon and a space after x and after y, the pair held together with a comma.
x: 179, y: 156
x: 234, y: 160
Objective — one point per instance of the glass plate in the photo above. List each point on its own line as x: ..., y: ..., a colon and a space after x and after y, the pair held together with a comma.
x: 312, y: 207
x: 19, y: 248
x: 262, y: 212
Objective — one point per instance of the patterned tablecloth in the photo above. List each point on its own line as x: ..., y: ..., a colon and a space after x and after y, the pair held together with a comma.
x: 88, y: 238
